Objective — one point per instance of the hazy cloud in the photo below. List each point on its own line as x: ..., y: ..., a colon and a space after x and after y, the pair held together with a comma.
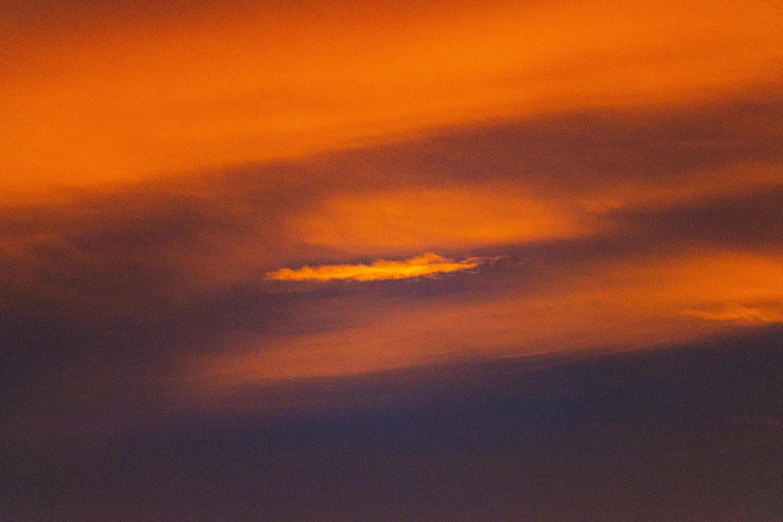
x: 740, y: 313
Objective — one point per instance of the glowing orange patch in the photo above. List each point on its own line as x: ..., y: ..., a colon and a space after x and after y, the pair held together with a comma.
x: 96, y: 100
x: 432, y: 218
x: 427, y: 265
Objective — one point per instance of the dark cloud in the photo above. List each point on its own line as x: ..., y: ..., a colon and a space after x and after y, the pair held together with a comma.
x: 745, y: 222
x: 645, y: 436
x: 566, y: 154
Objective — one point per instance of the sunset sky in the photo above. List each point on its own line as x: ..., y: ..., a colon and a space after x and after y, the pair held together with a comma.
x: 391, y: 260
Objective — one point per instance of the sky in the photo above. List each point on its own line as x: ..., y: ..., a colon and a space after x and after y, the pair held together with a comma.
x: 391, y: 260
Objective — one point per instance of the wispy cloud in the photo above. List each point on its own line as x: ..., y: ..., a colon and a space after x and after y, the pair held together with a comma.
x: 426, y: 265
x: 738, y: 313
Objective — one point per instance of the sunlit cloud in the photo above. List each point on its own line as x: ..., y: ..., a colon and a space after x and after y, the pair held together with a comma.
x: 630, y: 304
x: 322, y: 227
x: 431, y: 218
x: 342, y: 76
x: 426, y: 265
x: 739, y: 313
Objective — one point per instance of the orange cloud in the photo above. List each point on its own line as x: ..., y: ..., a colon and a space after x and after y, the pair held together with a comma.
x: 427, y: 265
x: 430, y: 218
x: 384, y: 222
x: 739, y: 313
x: 97, y: 99
x: 632, y: 304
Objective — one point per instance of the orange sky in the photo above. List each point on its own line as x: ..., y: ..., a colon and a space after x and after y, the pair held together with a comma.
x: 571, y: 175
x: 634, y: 304
x: 391, y: 260
x: 100, y: 93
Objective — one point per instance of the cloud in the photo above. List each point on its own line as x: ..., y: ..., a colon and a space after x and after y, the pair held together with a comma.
x: 430, y: 218
x: 426, y: 265
x: 332, y: 89
x: 739, y: 313
x: 618, y: 217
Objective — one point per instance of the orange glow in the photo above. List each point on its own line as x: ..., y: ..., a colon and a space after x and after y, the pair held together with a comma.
x: 489, y: 214
x: 738, y: 313
x: 423, y: 218
x: 109, y: 97
x: 177, y: 163
x: 630, y: 305
x: 427, y: 265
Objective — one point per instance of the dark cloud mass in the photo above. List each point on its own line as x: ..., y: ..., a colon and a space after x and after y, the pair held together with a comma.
x: 588, y: 150
x: 691, y: 432
x: 735, y: 222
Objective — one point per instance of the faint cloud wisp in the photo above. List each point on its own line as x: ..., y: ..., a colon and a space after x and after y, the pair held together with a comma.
x: 738, y: 313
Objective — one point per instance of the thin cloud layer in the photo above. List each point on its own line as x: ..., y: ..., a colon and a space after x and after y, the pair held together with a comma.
x: 426, y: 265
x: 740, y: 313
x: 629, y: 303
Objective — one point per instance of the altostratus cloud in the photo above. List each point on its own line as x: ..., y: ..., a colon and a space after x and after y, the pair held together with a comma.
x: 427, y: 265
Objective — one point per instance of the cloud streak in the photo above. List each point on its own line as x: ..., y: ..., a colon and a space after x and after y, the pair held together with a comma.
x: 426, y: 265
x: 739, y: 313
x: 343, y: 76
